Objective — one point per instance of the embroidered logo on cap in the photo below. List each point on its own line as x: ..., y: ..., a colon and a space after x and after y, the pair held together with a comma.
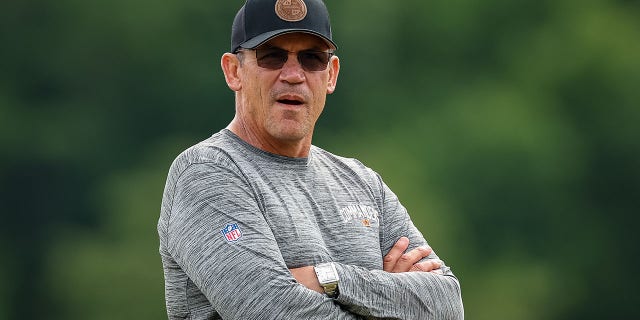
x: 231, y: 232
x: 291, y: 10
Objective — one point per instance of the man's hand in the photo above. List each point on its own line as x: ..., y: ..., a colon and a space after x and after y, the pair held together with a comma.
x: 399, y: 261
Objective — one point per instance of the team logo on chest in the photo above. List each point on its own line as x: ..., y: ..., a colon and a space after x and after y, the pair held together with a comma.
x: 360, y: 214
x: 231, y: 232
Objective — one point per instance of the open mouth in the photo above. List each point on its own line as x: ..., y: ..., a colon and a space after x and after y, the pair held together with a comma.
x: 290, y: 102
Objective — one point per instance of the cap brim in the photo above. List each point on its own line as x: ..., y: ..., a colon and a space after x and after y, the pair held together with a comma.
x: 262, y: 38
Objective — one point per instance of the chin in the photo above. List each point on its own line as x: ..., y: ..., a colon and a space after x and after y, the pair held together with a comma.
x: 290, y: 129
x: 290, y: 133
x: 290, y: 136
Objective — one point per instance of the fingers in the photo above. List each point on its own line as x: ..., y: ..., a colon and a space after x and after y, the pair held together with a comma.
x: 395, y: 253
x: 399, y: 261
x: 407, y: 260
x: 428, y: 266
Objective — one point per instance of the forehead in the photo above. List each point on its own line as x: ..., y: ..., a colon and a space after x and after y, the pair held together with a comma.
x: 297, y: 41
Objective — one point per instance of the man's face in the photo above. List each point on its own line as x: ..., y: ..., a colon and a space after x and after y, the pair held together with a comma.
x: 283, y: 105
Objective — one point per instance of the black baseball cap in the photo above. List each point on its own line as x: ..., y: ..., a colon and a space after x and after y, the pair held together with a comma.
x: 259, y: 21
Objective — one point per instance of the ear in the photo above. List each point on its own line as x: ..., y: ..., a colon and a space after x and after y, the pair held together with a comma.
x: 230, y: 66
x: 334, y: 70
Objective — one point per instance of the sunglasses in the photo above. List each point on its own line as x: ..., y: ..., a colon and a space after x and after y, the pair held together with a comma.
x: 274, y: 58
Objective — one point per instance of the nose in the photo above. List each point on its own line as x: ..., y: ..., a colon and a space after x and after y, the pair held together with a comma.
x: 292, y: 71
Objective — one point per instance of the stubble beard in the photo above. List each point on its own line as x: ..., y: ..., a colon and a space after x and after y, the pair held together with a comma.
x: 290, y: 126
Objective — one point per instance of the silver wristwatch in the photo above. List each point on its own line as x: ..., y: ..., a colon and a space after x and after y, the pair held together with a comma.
x: 328, y: 278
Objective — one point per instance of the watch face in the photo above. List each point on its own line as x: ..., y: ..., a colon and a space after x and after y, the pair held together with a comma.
x: 326, y: 274
x: 328, y: 278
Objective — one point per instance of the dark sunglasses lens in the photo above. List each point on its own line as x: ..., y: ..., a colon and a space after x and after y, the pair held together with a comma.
x: 271, y: 58
x: 314, y: 60
x: 274, y: 59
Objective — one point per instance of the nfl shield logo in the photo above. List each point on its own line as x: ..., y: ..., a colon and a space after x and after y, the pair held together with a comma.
x: 231, y: 232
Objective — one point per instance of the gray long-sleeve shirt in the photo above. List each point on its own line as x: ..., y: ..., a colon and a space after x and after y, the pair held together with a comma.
x: 234, y: 219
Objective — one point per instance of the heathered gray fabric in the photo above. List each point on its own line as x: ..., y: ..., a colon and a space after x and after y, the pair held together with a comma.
x: 292, y: 212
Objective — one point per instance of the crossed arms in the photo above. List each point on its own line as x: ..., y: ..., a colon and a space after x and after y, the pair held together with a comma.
x: 250, y: 279
x: 397, y: 260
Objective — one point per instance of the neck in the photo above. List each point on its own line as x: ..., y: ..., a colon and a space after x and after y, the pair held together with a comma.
x: 298, y: 148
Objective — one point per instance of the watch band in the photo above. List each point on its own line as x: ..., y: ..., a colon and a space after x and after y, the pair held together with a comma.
x: 331, y: 290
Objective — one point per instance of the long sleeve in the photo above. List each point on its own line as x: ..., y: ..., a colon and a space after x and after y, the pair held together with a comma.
x: 235, y: 219
x: 409, y: 295
x: 243, y: 276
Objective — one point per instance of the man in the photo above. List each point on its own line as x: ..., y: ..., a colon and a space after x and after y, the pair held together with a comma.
x: 257, y: 223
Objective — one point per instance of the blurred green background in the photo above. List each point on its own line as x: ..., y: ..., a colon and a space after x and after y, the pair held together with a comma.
x: 509, y: 129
